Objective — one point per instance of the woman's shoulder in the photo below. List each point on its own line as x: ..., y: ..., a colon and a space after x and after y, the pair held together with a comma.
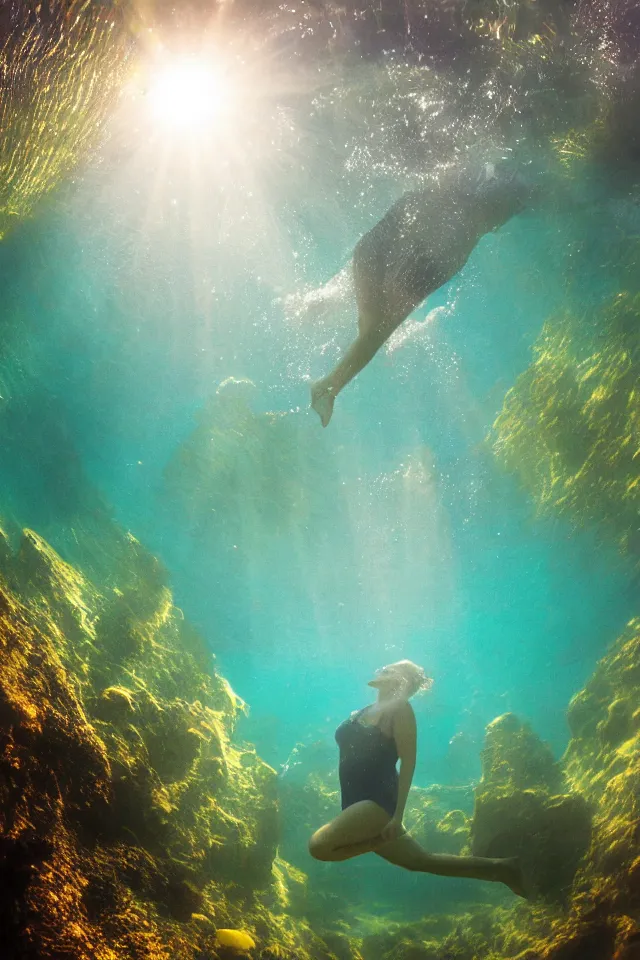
x: 402, y: 715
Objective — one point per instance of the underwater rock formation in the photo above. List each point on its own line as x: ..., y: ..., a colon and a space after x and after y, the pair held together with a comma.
x: 603, y: 763
x: 569, y: 428
x: 242, y: 472
x: 130, y: 824
x: 522, y: 810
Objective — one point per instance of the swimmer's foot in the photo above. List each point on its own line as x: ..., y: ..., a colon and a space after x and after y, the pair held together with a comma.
x: 322, y: 401
x: 511, y: 875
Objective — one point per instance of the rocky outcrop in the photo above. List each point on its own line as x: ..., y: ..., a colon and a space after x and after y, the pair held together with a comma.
x: 523, y: 809
x: 568, y: 428
x: 131, y: 824
x: 603, y: 763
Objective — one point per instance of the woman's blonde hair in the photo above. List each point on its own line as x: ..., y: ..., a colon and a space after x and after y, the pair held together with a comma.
x: 412, y: 677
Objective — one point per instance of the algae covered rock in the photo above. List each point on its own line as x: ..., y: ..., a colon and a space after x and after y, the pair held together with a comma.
x: 514, y: 758
x: 521, y: 809
x: 126, y: 807
x: 432, y: 821
x: 602, y: 761
x: 115, y: 705
x: 569, y: 428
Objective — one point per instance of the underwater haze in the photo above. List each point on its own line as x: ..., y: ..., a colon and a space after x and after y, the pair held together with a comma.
x: 409, y: 542
x: 162, y: 326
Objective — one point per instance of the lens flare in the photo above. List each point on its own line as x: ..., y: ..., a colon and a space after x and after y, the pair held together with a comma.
x: 189, y: 95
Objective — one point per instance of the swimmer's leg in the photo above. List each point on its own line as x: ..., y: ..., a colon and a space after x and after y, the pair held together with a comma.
x: 358, y: 830
x: 376, y: 323
x: 406, y: 852
x: 383, y: 304
x: 355, y: 831
x: 361, y: 351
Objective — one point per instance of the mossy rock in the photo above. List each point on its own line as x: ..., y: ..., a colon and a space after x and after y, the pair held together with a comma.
x: 399, y: 946
x: 172, y: 752
x: 180, y: 897
x: 455, y: 823
x: 581, y: 714
x: 618, y: 725
x: 6, y: 551
x: 119, y: 772
x: 119, y: 631
x: 568, y: 428
x: 115, y: 705
x: 514, y: 758
x: 594, y: 941
x: 550, y: 835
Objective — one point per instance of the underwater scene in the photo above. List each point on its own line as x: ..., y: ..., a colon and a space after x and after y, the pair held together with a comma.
x: 320, y: 480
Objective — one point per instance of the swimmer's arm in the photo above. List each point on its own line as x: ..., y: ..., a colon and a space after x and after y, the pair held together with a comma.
x: 404, y: 732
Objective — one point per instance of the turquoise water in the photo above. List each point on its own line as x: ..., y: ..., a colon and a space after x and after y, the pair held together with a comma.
x: 154, y: 277
x: 164, y: 269
x: 416, y: 545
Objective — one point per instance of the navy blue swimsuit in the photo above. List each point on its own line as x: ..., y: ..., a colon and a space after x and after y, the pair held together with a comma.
x: 368, y: 759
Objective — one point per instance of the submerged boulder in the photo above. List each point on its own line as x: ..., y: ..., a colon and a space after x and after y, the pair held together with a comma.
x: 522, y: 810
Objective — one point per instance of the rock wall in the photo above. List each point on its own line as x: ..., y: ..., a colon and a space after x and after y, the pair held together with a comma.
x: 524, y: 808
x: 603, y: 764
x: 131, y: 825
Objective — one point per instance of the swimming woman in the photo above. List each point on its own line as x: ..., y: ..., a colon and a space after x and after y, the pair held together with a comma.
x: 419, y: 245
x: 374, y: 794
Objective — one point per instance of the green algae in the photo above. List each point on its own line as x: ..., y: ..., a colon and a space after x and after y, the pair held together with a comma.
x: 570, y: 427
x: 603, y: 762
x: 151, y: 813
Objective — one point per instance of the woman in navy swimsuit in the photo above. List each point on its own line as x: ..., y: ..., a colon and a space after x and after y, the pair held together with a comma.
x: 374, y: 792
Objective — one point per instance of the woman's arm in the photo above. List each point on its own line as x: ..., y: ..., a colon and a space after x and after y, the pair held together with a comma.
x: 405, y: 736
x: 404, y: 732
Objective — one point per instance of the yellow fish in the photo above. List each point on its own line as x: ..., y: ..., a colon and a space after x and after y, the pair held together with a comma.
x: 238, y: 940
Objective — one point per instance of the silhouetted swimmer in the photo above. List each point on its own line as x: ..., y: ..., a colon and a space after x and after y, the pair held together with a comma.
x: 419, y: 245
x: 374, y: 793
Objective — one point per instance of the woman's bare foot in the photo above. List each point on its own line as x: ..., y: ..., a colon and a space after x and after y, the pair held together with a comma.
x: 511, y: 875
x: 322, y: 401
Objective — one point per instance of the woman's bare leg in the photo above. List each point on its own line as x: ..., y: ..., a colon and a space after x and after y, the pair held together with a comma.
x: 361, y: 351
x: 358, y: 829
x: 354, y: 831
x: 406, y: 852
x: 378, y: 317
